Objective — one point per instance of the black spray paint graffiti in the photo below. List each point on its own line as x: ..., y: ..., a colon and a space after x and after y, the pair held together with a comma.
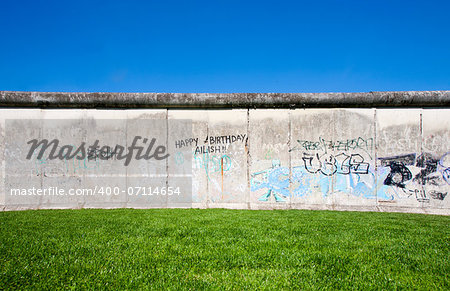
x: 213, y: 144
x: 188, y: 142
x: 432, y: 172
x: 105, y: 153
x: 329, y: 164
x: 429, y: 165
x: 211, y: 156
x: 398, y: 175
x: 225, y: 139
x: 340, y: 145
x: 210, y: 149
x: 219, y: 144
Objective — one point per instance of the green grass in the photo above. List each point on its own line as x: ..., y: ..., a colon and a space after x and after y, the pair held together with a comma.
x: 228, y: 249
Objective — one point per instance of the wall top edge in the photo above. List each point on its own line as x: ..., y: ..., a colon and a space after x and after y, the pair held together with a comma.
x: 224, y: 100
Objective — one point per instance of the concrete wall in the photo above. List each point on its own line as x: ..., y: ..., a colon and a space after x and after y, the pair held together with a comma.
x: 231, y: 100
x: 365, y: 159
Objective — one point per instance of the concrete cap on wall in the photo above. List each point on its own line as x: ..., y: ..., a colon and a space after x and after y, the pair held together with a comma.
x: 219, y: 100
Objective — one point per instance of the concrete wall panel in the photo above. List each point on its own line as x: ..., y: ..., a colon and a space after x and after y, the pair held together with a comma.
x: 146, y: 178
x: 435, y: 165
x: 64, y: 126
x: 227, y: 160
x: 399, y: 146
x: 190, y: 145
x: 104, y: 175
x: 353, y: 158
x: 17, y: 172
x: 310, y: 131
x: 269, y: 165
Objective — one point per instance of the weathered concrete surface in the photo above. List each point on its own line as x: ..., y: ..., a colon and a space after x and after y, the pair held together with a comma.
x: 234, y: 100
x: 436, y: 141
x: 365, y: 159
x: 398, y: 135
x: 269, y: 158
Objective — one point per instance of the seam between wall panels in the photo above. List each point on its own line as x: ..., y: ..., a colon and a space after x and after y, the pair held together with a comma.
x: 247, y: 146
x: 207, y: 164
x: 422, y: 153
x: 167, y: 160
x: 126, y: 168
x: 289, y: 157
x: 376, y: 156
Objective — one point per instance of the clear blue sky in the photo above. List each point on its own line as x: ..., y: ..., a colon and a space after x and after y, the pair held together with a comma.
x: 224, y: 46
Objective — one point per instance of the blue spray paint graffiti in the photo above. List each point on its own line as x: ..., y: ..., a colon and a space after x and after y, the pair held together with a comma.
x: 305, y: 181
x: 328, y: 174
x: 275, y: 179
x: 212, y: 163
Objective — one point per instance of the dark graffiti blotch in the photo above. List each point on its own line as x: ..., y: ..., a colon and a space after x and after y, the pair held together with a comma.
x: 429, y: 165
x: 398, y: 176
x: 407, y: 160
x: 437, y: 195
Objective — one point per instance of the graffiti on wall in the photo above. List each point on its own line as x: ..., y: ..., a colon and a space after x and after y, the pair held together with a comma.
x: 302, y: 182
x: 47, y: 167
x: 421, y: 176
x: 215, y: 157
x: 211, y: 144
x: 329, y: 164
x: 344, y: 166
x: 325, y: 146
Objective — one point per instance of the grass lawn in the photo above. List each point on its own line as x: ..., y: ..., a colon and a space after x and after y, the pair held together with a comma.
x: 217, y: 248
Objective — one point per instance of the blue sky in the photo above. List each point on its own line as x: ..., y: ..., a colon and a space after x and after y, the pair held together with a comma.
x: 224, y: 46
